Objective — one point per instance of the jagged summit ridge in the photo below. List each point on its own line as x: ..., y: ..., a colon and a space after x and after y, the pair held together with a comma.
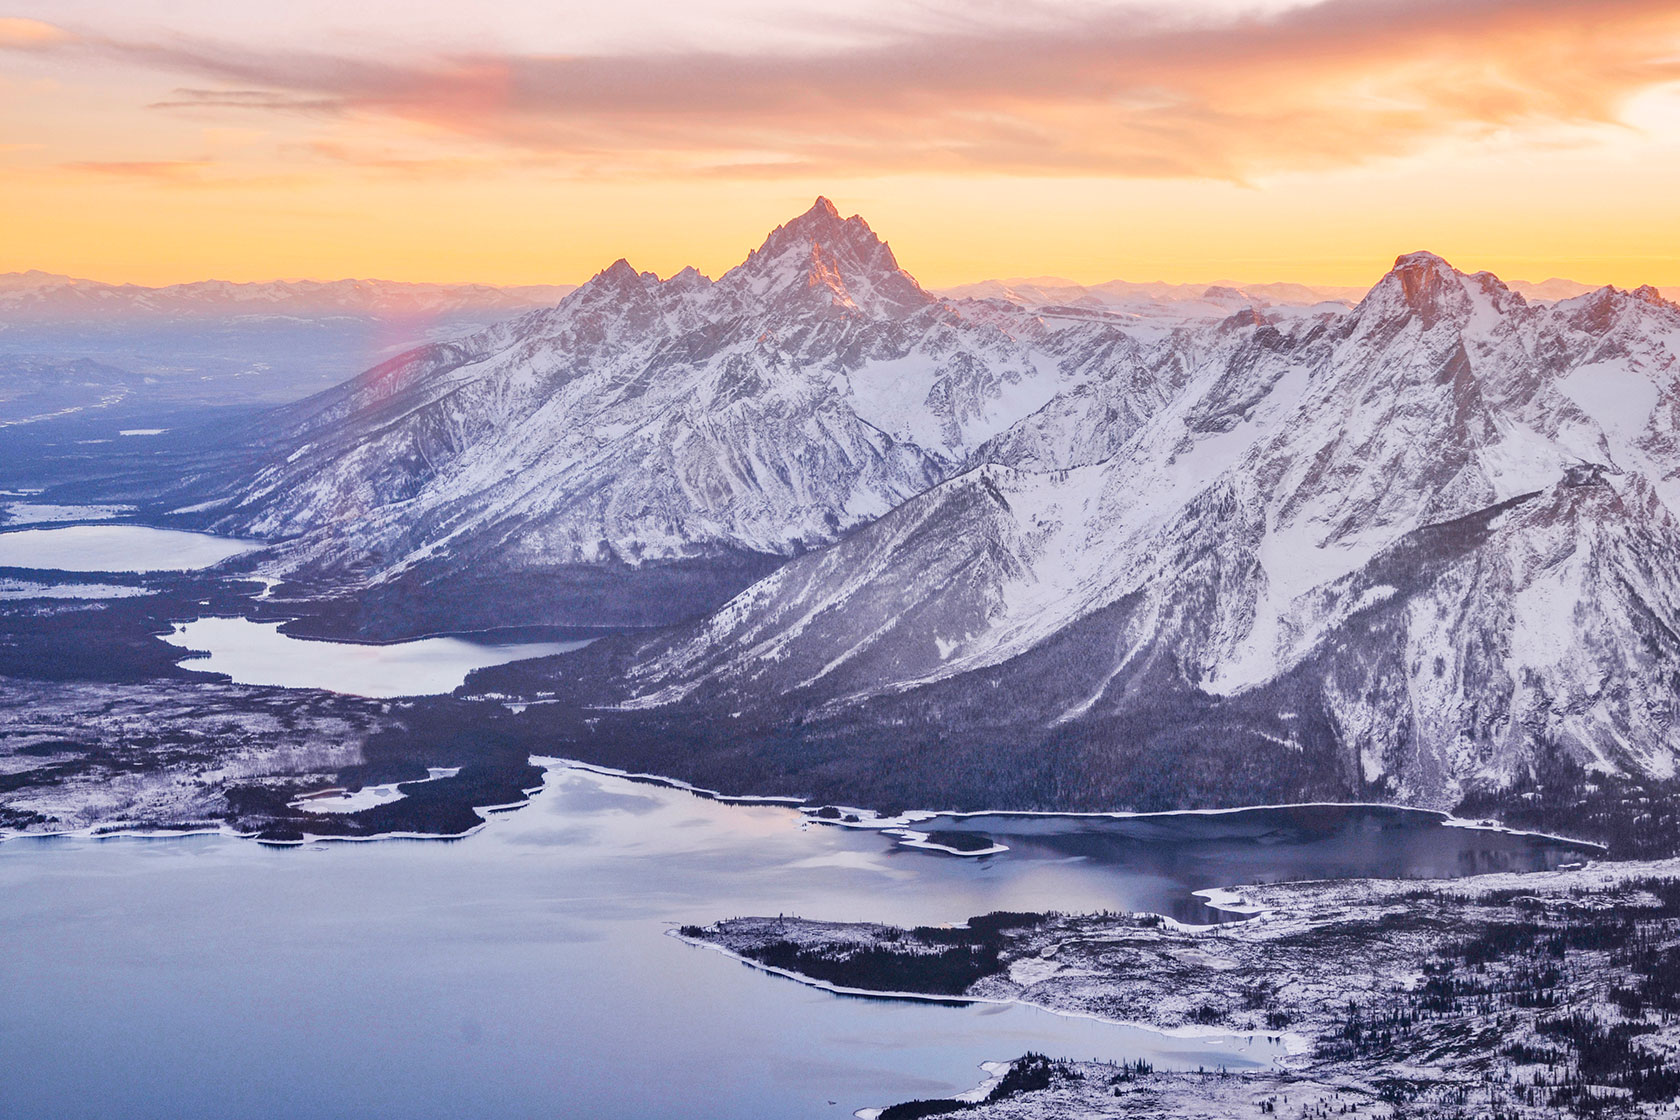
x: 821, y: 225
x: 1422, y: 259
x: 817, y: 263
x: 1424, y: 286
x: 826, y: 261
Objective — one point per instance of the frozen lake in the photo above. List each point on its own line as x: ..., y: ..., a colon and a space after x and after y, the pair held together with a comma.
x: 116, y: 548
x: 526, y: 971
x: 257, y: 653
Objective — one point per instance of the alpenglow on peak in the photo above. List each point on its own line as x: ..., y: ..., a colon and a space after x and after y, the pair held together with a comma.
x: 822, y: 261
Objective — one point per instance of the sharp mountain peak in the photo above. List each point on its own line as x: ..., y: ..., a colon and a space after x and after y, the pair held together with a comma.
x: 835, y: 261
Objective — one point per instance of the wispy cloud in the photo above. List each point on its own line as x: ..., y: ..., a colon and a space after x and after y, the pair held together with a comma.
x: 383, y: 160
x: 1133, y: 92
x: 264, y: 100
x: 162, y: 170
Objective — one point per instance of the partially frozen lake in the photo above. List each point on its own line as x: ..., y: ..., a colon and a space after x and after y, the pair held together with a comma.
x: 116, y: 548
x: 257, y: 653
x: 37, y: 513
x: 525, y: 970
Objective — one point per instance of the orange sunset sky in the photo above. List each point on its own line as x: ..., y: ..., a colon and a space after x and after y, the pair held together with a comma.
x: 535, y: 142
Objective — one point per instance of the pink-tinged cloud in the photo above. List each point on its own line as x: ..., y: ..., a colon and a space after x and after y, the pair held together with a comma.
x: 29, y: 34
x: 1130, y: 92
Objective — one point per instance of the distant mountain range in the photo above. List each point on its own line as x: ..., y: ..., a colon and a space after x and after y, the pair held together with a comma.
x: 116, y: 355
x: 1187, y: 300
x: 36, y: 296
x: 1041, y: 550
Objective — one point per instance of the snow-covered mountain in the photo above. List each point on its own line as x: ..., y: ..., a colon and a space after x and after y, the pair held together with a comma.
x: 1419, y: 543
x: 647, y: 424
x: 1403, y: 548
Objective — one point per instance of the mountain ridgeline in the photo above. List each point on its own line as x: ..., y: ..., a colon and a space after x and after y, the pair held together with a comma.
x: 909, y: 548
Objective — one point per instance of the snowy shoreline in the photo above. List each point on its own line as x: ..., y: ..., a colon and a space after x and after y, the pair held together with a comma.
x: 1292, y: 1044
x: 120, y: 830
x: 672, y: 783
x: 900, y: 826
x: 868, y: 818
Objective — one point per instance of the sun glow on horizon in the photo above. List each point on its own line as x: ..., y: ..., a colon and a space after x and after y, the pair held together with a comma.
x: 1309, y: 142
